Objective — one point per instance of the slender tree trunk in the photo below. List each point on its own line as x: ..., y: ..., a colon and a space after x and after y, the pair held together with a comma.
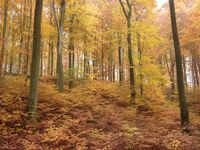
x: 185, y: 71
x: 120, y: 64
x: 11, y: 54
x: 196, y: 71
x: 33, y: 93
x: 120, y: 60
x: 130, y: 57
x: 52, y: 58
x: 140, y: 64
x: 113, y: 78
x: 192, y: 73
x: 94, y: 64
x: 23, y: 21
x: 71, y: 60
x: 180, y: 83
x: 7, y: 46
x: 60, y: 28
x: 110, y: 62
x: 41, y: 63
x: 51, y: 45
x: 102, y: 64
x: 3, y: 42
x: 28, y: 45
x: 78, y: 66
x: 71, y: 52
x: 85, y: 64
x: 49, y: 58
x: 25, y: 46
x: 128, y: 15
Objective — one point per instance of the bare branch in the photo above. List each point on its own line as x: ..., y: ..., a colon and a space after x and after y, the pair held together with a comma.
x: 128, y: 3
x: 124, y: 9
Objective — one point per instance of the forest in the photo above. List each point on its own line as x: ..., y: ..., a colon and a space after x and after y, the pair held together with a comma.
x: 99, y: 74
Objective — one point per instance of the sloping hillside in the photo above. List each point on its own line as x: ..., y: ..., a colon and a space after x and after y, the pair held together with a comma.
x: 94, y: 115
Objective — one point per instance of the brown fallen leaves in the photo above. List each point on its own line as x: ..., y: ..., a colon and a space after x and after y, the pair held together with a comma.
x: 94, y: 115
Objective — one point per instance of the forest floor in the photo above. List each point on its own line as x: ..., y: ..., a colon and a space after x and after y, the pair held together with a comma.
x: 94, y: 115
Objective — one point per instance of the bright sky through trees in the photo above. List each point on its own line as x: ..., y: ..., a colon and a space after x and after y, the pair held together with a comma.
x: 161, y: 2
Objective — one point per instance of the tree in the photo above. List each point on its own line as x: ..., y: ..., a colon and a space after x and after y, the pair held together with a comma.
x: 3, y: 37
x: 180, y: 81
x: 33, y: 93
x: 128, y: 13
x: 72, y: 21
x: 60, y: 27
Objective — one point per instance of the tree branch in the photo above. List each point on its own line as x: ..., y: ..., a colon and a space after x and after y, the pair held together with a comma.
x: 124, y: 9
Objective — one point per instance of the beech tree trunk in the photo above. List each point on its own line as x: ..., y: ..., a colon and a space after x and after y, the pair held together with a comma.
x: 185, y: 71
x: 11, y: 53
x: 140, y: 64
x: 120, y: 64
x: 71, y: 52
x: 3, y: 37
x: 33, y: 93
x: 71, y: 60
x: 180, y: 82
x: 28, y: 44
x: 128, y: 13
x: 60, y: 28
x: 120, y: 60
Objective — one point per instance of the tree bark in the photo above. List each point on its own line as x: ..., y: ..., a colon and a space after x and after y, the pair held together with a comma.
x: 185, y: 71
x: 28, y: 44
x: 33, y: 93
x: 120, y: 61
x: 60, y: 28
x: 140, y: 64
x: 11, y: 53
x: 128, y: 14
x: 3, y: 37
x: 180, y: 83
x: 71, y: 52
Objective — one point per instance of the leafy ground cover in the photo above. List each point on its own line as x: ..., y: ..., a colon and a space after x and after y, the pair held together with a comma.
x: 94, y: 115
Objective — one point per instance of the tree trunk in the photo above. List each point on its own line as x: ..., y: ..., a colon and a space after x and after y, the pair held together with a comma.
x: 60, y: 28
x: 85, y: 73
x: 28, y: 44
x: 185, y: 71
x: 33, y: 93
x: 52, y: 58
x: 196, y: 71
x: 128, y: 15
x: 120, y: 64
x: 11, y: 53
x: 3, y: 37
x: 71, y: 61
x: 110, y: 62
x: 180, y: 83
x: 130, y: 57
x: 71, y: 52
x: 120, y: 60
x: 49, y: 58
x: 102, y: 64
x: 140, y: 64
x: 113, y: 78
x: 41, y: 63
